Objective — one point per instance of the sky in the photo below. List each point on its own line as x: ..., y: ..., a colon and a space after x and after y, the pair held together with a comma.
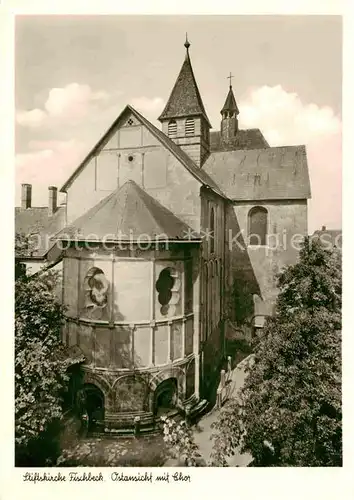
x: 75, y: 74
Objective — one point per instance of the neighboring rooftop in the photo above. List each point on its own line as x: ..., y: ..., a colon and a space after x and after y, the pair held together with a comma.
x: 36, y: 221
x: 124, y: 215
x: 30, y: 220
x: 329, y: 237
x: 261, y: 174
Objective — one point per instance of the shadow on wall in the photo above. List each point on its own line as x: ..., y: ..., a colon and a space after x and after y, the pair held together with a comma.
x: 112, y: 346
x: 243, y: 284
x: 165, y: 397
x: 130, y: 393
x: 241, y: 291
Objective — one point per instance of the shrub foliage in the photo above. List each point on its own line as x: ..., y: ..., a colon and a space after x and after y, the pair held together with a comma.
x: 289, y: 409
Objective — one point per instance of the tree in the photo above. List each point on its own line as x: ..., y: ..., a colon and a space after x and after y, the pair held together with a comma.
x: 289, y: 410
x: 40, y: 367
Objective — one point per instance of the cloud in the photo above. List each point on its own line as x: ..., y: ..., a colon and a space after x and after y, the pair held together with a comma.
x: 285, y: 120
x: 31, y: 119
x: 71, y: 104
x: 47, y: 163
x: 152, y: 107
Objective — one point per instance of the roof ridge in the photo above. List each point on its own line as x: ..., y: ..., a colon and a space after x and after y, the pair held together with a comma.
x: 125, y: 204
x: 269, y: 149
x: 91, y: 212
x: 140, y: 191
x: 138, y: 213
x: 197, y: 172
x: 182, y: 155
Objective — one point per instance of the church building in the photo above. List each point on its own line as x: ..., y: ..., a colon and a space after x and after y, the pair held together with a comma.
x: 170, y: 241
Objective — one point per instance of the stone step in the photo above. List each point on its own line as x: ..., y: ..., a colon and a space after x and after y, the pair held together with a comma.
x: 147, y: 431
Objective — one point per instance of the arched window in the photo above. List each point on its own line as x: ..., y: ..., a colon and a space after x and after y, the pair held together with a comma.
x: 257, y: 226
x: 96, y: 288
x: 205, y: 301
x: 168, y: 287
x: 172, y: 128
x: 212, y: 230
x: 189, y: 126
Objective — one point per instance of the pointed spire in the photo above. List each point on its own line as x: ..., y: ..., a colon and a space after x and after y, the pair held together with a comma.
x: 230, y: 103
x: 185, y: 99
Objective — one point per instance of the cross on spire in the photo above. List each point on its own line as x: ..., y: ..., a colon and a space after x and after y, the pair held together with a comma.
x: 229, y: 78
x: 186, y: 43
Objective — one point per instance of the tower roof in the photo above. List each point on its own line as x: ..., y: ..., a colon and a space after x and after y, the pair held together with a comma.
x: 230, y: 103
x: 185, y: 99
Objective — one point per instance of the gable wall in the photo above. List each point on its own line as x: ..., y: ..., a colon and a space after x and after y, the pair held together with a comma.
x: 133, y: 153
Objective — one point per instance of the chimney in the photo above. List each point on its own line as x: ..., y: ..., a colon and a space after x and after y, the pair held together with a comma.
x: 323, y: 228
x: 26, y: 196
x: 53, y: 199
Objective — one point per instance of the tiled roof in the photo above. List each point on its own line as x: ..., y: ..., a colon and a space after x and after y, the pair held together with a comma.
x: 30, y: 219
x: 230, y: 103
x: 251, y: 138
x: 185, y: 99
x: 124, y: 215
x: 197, y: 172
x: 261, y: 174
x: 35, y: 220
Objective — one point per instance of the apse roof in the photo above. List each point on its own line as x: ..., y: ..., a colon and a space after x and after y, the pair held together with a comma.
x: 127, y: 214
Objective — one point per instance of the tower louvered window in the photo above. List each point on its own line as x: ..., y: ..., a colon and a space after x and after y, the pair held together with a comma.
x: 172, y: 128
x: 190, y: 127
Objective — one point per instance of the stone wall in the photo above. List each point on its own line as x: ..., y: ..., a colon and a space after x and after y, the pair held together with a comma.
x: 132, y: 343
x: 254, y: 268
x: 212, y: 289
x: 197, y: 145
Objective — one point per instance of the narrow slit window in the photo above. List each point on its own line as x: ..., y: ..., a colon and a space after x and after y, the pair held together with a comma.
x: 257, y: 226
x: 212, y: 230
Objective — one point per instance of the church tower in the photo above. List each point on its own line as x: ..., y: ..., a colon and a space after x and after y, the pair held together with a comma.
x: 229, y: 122
x: 184, y: 119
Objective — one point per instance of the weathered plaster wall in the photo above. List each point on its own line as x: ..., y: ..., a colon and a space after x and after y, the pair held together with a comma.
x: 287, y: 222
x: 133, y: 334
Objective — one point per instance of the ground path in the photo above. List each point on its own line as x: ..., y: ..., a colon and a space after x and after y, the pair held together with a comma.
x: 203, y: 430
